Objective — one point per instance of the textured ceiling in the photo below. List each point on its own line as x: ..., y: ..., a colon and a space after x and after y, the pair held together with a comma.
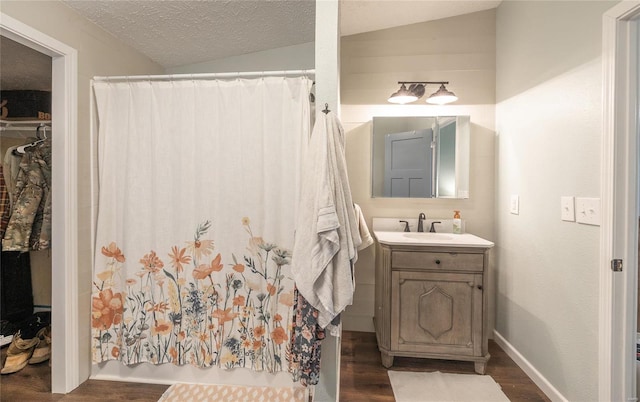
x: 174, y: 33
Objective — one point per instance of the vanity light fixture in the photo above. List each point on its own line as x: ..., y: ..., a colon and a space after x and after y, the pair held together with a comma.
x: 416, y: 89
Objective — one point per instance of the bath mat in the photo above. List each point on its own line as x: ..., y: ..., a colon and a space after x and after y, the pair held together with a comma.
x: 444, y: 387
x: 231, y: 393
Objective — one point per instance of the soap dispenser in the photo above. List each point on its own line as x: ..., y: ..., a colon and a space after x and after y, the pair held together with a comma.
x: 457, y: 222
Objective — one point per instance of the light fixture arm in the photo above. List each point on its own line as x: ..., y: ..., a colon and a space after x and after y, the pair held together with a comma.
x: 416, y: 90
x: 424, y: 82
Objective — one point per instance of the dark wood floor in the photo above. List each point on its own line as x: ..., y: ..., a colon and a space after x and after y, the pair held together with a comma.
x: 362, y: 378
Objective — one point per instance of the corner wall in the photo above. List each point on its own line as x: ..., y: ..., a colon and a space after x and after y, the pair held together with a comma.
x: 548, y: 119
x: 458, y: 49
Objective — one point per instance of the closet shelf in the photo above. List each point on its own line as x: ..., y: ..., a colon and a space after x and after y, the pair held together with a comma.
x: 18, y: 124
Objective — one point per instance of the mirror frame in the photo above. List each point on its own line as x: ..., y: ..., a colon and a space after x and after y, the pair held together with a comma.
x: 462, y: 172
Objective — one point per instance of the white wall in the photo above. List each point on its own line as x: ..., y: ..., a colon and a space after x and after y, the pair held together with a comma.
x: 460, y: 50
x: 99, y: 53
x: 296, y: 57
x: 548, y: 119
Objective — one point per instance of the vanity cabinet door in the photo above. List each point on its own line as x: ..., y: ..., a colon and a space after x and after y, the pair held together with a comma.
x: 436, y: 313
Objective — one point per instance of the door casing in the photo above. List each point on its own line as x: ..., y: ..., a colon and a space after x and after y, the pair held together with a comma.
x: 65, y: 370
x: 619, y: 200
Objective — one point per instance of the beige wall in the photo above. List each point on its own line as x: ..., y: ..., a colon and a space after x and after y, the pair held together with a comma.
x: 296, y: 57
x: 549, y: 124
x: 460, y: 50
x: 99, y: 54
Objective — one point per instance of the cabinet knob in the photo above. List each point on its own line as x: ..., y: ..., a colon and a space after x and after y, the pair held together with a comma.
x: 480, y: 287
x: 438, y: 262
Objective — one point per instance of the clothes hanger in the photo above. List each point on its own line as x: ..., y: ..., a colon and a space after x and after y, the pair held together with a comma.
x: 21, y: 150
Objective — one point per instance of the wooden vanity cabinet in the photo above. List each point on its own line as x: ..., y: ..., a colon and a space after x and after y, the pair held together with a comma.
x: 431, y: 302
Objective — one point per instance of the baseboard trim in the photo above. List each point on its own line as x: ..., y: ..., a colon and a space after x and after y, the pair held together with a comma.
x: 546, y: 387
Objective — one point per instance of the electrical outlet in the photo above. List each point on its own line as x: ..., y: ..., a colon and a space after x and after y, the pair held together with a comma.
x: 568, y: 211
x: 514, y: 205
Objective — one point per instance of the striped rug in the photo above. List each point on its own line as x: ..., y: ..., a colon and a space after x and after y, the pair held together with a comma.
x: 231, y: 393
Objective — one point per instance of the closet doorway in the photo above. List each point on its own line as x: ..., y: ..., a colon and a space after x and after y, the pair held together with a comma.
x: 25, y: 138
x: 67, y: 372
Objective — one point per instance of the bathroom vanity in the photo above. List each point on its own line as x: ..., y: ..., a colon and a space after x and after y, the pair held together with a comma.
x: 431, y: 299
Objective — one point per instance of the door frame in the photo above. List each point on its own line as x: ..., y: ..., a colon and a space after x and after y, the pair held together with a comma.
x: 65, y: 364
x: 619, y: 200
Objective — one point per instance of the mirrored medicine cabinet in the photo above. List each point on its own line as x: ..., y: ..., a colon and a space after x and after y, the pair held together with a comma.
x: 421, y: 157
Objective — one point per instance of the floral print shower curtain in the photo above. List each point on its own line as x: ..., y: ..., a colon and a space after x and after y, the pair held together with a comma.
x: 198, y: 183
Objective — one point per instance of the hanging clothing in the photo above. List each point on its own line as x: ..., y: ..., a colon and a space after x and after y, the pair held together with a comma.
x: 5, y: 205
x: 11, y: 168
x: 305, y: 344
x: 29, y: 226
x: 16, y: 297
x: 327, y: 235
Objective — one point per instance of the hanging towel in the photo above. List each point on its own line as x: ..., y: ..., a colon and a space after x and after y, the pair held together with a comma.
x: 367, y: 240
x: 327, y: 237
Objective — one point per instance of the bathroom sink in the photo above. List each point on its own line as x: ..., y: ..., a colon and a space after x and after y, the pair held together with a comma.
x: 389, y: 231
x: 431, y: 239
x: 428, y: 236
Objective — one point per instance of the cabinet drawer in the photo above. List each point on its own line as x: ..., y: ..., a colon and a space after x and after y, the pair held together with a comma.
x: 437, y: 261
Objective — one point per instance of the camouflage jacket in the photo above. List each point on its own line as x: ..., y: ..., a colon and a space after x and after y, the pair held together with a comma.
x: 29, y: 226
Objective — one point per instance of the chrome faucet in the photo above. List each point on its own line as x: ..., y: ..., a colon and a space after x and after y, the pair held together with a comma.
x: 421, y: 218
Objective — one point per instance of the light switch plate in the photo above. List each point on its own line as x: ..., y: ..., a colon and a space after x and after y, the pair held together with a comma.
x: 588, y: 211
x: 514, y: 205
x: 567, y: 206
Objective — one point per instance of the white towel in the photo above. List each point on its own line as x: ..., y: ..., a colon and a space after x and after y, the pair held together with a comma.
x: 327, y: 235
x: 367, y: 240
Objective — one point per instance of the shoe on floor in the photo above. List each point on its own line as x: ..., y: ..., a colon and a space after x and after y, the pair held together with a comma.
x: 7, y: 329
x: 42, y: 352
x: 18, y: 354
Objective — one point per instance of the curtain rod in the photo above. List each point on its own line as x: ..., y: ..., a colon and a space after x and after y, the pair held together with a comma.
x: 205, y: 75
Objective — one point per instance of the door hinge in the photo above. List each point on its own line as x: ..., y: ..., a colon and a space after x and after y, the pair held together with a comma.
x: 616, y: 265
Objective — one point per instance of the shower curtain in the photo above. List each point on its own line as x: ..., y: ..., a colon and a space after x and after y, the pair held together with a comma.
x: 198, y: 181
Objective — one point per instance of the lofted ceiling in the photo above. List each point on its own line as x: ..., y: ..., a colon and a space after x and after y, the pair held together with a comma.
x: 174, y: 33
x: 182, y: 32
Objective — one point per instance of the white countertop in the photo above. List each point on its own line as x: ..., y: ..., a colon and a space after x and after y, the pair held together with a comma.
x: 432, y: 239
x: 394, y: 236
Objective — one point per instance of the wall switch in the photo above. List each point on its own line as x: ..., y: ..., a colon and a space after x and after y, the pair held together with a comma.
x: 588, y: 211
x: 514, y: 205
x: 568, y: 212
